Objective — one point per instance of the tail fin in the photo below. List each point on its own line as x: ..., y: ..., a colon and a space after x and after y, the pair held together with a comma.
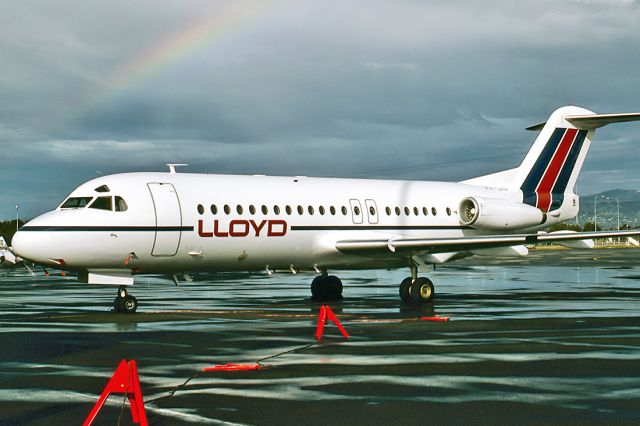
x: 551, y: 167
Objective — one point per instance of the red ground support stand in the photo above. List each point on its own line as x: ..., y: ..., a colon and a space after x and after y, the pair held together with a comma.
x: 124, y: 380
x: 326, y: 312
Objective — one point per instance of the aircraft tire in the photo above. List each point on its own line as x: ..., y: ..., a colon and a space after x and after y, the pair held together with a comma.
x: 316, y: 284
x: 129, y: 304
x: 326, y: 289
x: 422, y: 291
x: 405, y: 294
x: 333, y: 288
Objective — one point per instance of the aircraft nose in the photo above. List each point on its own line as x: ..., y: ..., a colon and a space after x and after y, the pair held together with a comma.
x: 34, y: 246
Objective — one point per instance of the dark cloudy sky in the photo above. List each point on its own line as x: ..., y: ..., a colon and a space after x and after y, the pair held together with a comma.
x: 393, y: 89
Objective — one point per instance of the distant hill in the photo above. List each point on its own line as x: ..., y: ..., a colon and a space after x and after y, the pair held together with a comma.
x: 607, y: 208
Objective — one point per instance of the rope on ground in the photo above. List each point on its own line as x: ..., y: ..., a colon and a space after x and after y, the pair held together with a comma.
x: 260, y: 362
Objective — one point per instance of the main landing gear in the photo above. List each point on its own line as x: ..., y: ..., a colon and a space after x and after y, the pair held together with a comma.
x: 416, y: 290
x: 326, y: 288
x: 124, y: 302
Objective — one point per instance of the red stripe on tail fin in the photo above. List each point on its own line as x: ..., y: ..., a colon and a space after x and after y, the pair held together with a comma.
x: 550, y: 176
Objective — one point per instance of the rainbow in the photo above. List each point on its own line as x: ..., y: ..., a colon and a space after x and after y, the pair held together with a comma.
x: 214, y: 26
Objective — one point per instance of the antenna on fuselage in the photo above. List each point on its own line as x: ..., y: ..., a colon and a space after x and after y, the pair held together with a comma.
x: 172, y: 167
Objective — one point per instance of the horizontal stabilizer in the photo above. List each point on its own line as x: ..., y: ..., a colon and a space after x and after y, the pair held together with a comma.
x: 590, y: 122
x: 593, y: 121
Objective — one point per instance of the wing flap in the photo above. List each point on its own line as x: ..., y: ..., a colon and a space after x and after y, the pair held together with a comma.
x: 444, y: 245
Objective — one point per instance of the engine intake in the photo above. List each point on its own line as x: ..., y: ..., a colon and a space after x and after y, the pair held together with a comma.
x: 496, y: 214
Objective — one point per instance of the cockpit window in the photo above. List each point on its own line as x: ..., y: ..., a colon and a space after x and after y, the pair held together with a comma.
x: 121, y: 205
x: 103, y: 188
x: 102, y: 203
x: 76, y: 203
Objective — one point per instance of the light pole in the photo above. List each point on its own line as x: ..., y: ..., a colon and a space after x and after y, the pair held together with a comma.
x: 17, y: 217
x: 618, y: 206
x: 595, y: 214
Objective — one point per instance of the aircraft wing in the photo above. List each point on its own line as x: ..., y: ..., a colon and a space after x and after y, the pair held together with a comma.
x: 446, y: 245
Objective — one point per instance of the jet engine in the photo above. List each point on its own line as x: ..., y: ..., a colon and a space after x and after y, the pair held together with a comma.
x: 495, y: 214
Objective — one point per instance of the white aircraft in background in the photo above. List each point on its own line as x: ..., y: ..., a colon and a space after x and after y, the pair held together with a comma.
x: 114, y: 227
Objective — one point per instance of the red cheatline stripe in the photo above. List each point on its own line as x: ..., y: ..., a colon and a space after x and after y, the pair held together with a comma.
x: 553, y: 170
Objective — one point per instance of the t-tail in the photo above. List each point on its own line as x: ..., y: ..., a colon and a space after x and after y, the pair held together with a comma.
x: 548, y: 173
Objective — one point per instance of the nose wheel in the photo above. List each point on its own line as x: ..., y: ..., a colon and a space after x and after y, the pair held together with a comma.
x: 124, y: 302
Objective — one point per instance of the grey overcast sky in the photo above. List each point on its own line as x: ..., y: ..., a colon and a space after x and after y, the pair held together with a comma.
x: 398, y: 89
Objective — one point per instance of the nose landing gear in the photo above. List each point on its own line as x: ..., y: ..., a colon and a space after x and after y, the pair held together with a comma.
x: 124, y: 302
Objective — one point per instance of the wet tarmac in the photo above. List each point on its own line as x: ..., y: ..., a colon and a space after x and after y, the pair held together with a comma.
x: 551, y: 339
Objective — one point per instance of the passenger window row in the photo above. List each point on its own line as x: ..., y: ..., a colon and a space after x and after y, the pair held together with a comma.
x: 415, y: 210
x: 239, y: 209
x: 264, y: 209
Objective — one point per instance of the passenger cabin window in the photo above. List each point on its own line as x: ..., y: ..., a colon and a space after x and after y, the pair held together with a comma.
x: 76, y: 203
x: 200, y: 209
x: 102, y: 203
x: 214, y: 209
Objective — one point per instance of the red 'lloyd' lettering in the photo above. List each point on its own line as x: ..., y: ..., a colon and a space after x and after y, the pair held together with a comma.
x: 201, y: 232
x: 216, y: 232
x: 271, y: 230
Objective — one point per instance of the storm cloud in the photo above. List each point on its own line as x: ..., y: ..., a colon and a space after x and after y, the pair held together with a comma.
x: 391, y: 89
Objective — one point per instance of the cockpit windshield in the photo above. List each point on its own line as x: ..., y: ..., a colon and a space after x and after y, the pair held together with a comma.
x: 106, y: 202
x: 102, y: 203
x: 76, y: 203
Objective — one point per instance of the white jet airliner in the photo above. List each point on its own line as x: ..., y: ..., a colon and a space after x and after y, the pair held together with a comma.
x: 114, y: 227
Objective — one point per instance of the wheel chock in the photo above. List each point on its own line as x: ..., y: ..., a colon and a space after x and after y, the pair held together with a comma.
x: 232, y: 367
x: 326, y: 312
x: 435, y: 319
x: 124, y: 381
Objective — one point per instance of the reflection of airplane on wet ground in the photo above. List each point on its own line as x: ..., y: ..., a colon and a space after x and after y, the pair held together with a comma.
x: 115, y: 226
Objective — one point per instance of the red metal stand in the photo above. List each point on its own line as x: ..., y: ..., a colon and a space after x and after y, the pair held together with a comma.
x: 326, y: 312
x: 124, y: 381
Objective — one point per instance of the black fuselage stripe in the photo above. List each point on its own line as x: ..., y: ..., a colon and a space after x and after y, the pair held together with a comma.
x: 378, y: 228
x: 191, y: 228
x: 107, y: 228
